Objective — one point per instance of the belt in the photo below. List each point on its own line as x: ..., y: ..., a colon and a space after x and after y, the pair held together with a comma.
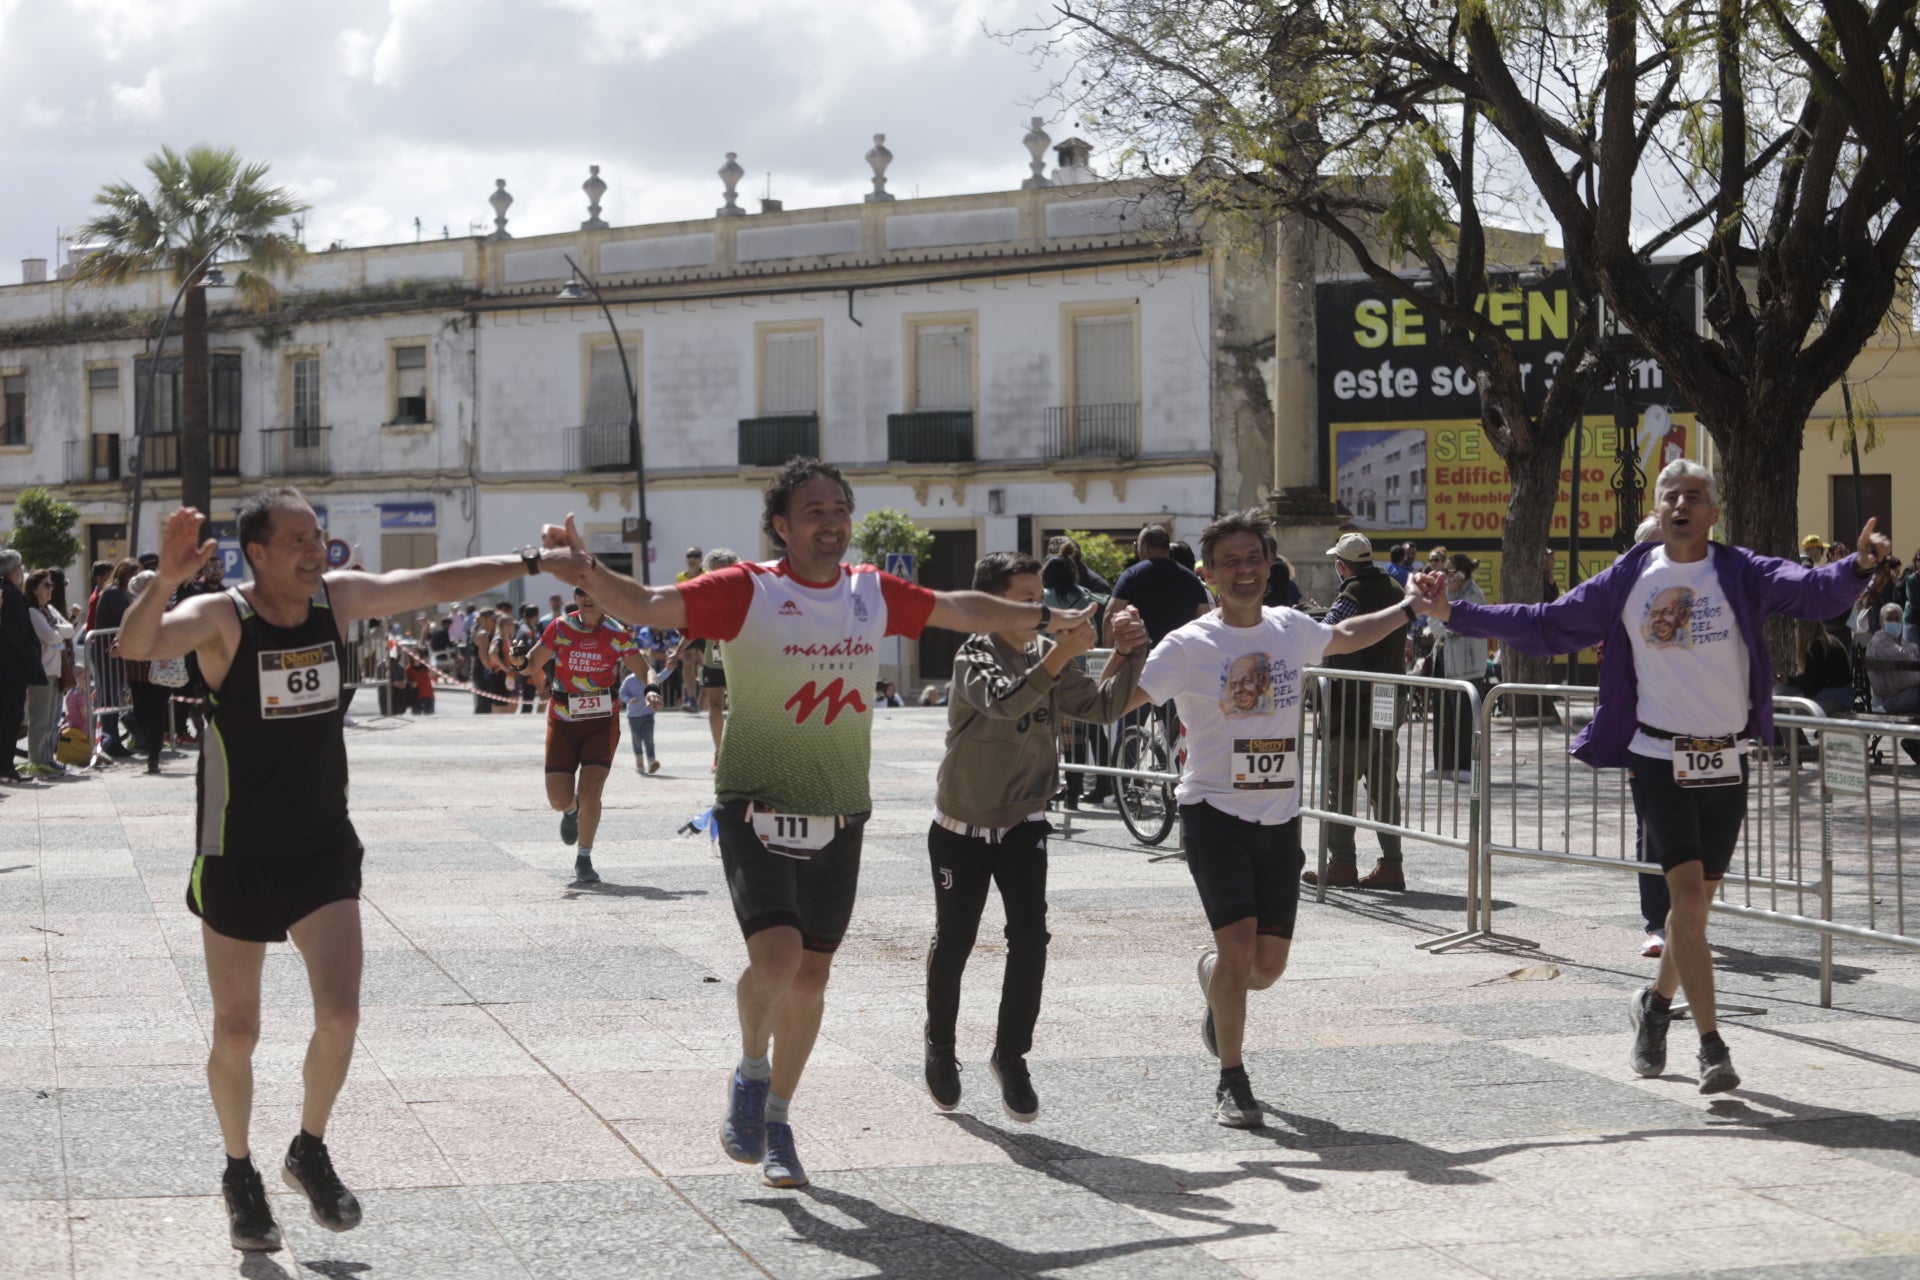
x: 992, y: 835
x: 1662, y: 734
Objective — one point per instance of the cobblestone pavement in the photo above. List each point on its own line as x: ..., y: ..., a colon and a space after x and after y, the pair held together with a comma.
x: 541, y: 1066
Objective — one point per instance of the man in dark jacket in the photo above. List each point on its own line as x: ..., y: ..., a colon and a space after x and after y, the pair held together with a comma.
x: 20, y: 665
x: 1356, y: 750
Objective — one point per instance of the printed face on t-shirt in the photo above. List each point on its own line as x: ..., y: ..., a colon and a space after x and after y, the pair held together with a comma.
x: 1248, y: 687
x: 1669, y: 620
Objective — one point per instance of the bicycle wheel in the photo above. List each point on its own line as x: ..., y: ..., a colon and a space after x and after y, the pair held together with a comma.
x: 1145, y: 807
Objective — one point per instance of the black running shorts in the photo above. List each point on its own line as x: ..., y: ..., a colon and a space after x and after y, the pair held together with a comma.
x: 814, y: 895
x: 1243, y: 869
x: 1687, y: 824
x: 713, y: 677
x: 255, y: 899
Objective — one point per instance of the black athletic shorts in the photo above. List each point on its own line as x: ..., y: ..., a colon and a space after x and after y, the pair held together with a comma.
x: 576, y: 744
x: 713, y: 677
x: 1687, y: 824
x: 1243, y: 869
x: 814, y: 895
x: 254, y: 899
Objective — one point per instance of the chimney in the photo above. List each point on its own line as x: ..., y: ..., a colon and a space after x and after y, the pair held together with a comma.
x: 1076, y: 163
x: 769, y: 205
x: 33, y: 271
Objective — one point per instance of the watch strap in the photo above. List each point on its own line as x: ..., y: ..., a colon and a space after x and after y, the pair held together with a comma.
x: 530, y: 557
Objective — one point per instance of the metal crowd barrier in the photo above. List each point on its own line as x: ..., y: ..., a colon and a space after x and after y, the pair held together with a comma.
x: 1408, y: 744
x: 1807, y: 858
x: 108, y: 691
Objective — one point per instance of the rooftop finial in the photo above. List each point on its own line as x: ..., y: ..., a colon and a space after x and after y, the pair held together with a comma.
x: 500, y: 199
x: 731, y: 173
x: 595, y: 187
x: 1036, y: 143
x: 879, y: 157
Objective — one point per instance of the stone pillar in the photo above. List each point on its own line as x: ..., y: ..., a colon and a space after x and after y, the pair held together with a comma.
x: 1036, y: 143
x: 731, y: 173
x: 1306, y: 521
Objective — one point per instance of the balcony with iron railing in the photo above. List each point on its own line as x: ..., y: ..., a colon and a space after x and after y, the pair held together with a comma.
x: 599, y: 448
x: 769, y: 441
x: 937, y: 435
x: 94, y: 459
x: 163, y: 454
x: 294, y: 451
x: 1092, y: 431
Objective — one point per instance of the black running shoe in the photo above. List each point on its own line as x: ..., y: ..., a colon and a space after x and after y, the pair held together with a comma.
x: 943, y: 1076
x: 311, y: 1173
x: 250, y: 1224
x: 583, y: 872
x: 1649, y: 1056
x: 1716, y: 1069
x: 1016, y: 1088
x: 570, y: 826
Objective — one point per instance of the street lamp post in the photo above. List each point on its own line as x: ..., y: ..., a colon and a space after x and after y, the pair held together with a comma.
x: 144, y: 428
x: 572, y: 292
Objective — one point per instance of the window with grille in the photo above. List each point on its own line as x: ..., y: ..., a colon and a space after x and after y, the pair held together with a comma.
x: 790, y: 373
x: 306, y: 401
x: 103, y: 423
x: 410, y: 384
x: 223, y: 393
x: 1103, y: 359
x: 13, y: 409
x: 943, y: 367
x: 608, y: 405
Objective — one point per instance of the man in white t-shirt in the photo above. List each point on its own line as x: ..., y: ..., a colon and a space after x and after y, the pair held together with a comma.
x: 1686, y: 688
x: 1234, y: 676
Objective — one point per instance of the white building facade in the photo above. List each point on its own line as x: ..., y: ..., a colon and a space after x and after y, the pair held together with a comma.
x: 999, y: 367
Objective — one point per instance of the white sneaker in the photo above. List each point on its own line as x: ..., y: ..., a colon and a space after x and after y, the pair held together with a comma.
x: 1463, y: 775
x: 1655, y: 944
x: 1433, y: 775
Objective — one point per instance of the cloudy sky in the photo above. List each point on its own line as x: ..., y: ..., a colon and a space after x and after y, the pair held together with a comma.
x: 381, y: 111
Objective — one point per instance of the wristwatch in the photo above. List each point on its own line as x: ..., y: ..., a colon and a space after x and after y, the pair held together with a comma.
x: 530, y: 557
x: 1046, y: 616
x: 1406, y: 607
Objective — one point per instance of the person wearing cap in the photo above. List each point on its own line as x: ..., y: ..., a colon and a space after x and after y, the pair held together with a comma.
x: 1355, y: 750
x: 1811, y: 550
x: 692, y: 570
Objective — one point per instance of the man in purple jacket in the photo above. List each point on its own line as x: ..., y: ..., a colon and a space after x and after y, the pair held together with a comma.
x: 1686, y: 688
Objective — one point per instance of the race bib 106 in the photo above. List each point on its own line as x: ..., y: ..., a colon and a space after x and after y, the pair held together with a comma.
x: 1706, y: 762
x: 299, y: 682
x: 1263, y: 764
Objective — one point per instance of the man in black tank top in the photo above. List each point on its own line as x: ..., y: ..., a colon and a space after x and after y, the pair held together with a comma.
x: 276, y: 854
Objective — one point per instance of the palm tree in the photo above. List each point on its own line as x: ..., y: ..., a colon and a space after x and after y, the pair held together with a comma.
x: 206, y: 203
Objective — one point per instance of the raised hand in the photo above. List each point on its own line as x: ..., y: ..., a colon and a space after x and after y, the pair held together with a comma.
x: 558, y: 537
x: 1128, y: 631
x: 573, y: 567
x: 1874, y: 546
x: 182, y: 554
x: 1073, y: 641
x: 1063, y: 620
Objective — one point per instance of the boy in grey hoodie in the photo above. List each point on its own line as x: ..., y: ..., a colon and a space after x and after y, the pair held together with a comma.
x: 989, y: 823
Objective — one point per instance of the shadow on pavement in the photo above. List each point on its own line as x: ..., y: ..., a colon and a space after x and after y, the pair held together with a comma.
x: 606, y: 889
x: 879, y: 1239
x: 258, y: 1266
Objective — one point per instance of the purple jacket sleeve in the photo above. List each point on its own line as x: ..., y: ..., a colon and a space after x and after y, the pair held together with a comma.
x: 1799, y: 592
x: 1577, y: 620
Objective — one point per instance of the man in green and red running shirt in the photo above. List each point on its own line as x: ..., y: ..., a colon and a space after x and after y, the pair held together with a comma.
x: 587, y: 650
x: 803, y: 639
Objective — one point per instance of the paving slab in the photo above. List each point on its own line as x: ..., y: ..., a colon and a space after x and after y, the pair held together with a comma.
x: 540, y: 1065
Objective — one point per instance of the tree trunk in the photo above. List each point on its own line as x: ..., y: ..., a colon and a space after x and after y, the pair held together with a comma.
x: 196, y: 445
x: 1760, y: 488
x: 1524, y: 549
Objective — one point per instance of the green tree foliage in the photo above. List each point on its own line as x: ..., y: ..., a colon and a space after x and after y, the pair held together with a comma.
x: 886, y: 530
x: 206, y: 203
x: 1100, y: 553
x: 43, y: 530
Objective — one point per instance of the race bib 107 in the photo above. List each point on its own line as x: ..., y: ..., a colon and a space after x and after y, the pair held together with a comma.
x: 1263, y: 764
x: 299, y: 682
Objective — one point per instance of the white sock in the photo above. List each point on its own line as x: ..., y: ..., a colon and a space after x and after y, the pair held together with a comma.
x: 755, y: 1068
x: 777, y: 1108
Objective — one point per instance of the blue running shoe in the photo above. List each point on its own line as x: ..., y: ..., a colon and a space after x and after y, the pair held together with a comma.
x: 743, y: 1130
x: 782, y: 1165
